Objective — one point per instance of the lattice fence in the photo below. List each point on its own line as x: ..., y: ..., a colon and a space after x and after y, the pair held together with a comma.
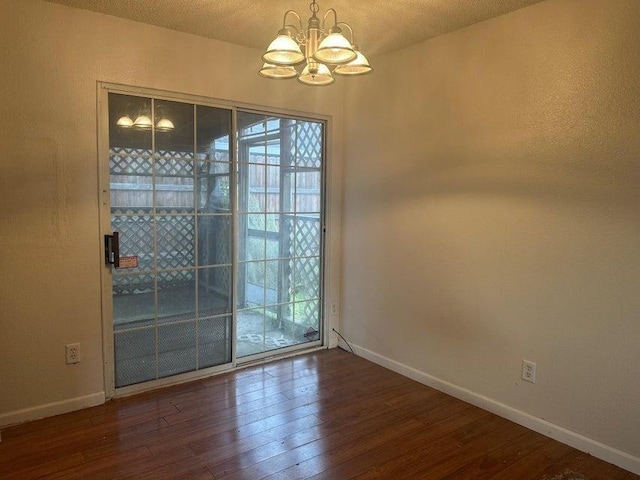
x: 306, y: 149
x: 304, y: 266
x: 171, y: 240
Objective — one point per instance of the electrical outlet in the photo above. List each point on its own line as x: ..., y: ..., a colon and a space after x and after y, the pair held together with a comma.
x: 334, y: 309
x: 528, y: 371
x: 72, y: 351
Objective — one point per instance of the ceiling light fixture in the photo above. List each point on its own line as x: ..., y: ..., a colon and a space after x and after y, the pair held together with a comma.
x: 324, y: 50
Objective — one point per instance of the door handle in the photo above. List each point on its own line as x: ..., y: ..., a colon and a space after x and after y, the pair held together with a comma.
x: 112, y: 250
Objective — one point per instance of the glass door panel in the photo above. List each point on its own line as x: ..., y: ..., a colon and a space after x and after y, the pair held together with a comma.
x: 279, y: 232
x: 210, y: 245
x: 170, y: 191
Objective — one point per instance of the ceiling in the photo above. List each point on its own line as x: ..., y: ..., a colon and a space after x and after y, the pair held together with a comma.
x: 380, y: 26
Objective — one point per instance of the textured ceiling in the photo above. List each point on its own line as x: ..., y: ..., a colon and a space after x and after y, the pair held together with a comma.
x: 380, y: 26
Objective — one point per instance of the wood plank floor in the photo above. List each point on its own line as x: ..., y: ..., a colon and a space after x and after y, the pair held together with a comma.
x: 325, y: 415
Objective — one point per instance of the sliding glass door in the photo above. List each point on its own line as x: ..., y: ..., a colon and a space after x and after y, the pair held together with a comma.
x: 171, y: 206
x: 219, y: 232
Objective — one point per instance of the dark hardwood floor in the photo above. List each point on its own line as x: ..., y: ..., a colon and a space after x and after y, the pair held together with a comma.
x: 325, y: 415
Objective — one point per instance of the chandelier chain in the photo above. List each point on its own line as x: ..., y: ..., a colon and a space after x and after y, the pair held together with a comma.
x: 313, y: 6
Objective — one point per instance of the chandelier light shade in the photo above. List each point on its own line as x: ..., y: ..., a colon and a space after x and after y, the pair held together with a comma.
x: 359, y: 66
x: 269, y: 70
x: 143, y: 120
x: 316, y: 74
x: 284, y: 50
x: 164, y: 124
x: 320, y: 52
x: 335, y: 49
x: 125, y: 121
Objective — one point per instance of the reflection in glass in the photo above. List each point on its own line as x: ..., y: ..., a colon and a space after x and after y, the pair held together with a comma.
x: 214, y: 239
x: 172, y: 192
x: 169, y: 183
x: 214, y: 291
x: 123, y: 111
x: 214, y: 189
x: 176, y: 144
x: 213, y: 133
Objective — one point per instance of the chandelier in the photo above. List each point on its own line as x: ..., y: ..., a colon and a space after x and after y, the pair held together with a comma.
x: 323, y: 52
x: 143, y: 120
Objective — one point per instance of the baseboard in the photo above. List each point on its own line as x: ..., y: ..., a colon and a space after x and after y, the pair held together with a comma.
x: 568, y: 437
x: 50, y: 409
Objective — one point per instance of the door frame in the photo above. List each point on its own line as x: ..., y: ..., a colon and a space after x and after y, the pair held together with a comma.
x: 326, y: 304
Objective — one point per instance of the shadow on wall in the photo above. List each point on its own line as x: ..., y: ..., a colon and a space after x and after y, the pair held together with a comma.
x: 596, y: 179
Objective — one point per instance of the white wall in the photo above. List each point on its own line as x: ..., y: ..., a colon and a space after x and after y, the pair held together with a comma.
x: 491, y: 201
x: 492, y: 213
x: 51, y: 58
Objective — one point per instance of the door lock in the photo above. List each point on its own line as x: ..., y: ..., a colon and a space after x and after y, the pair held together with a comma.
x: 112, y: 250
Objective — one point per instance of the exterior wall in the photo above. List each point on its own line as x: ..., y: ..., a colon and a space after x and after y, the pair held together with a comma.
x: 491, y: 214
x: 52, y: 58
